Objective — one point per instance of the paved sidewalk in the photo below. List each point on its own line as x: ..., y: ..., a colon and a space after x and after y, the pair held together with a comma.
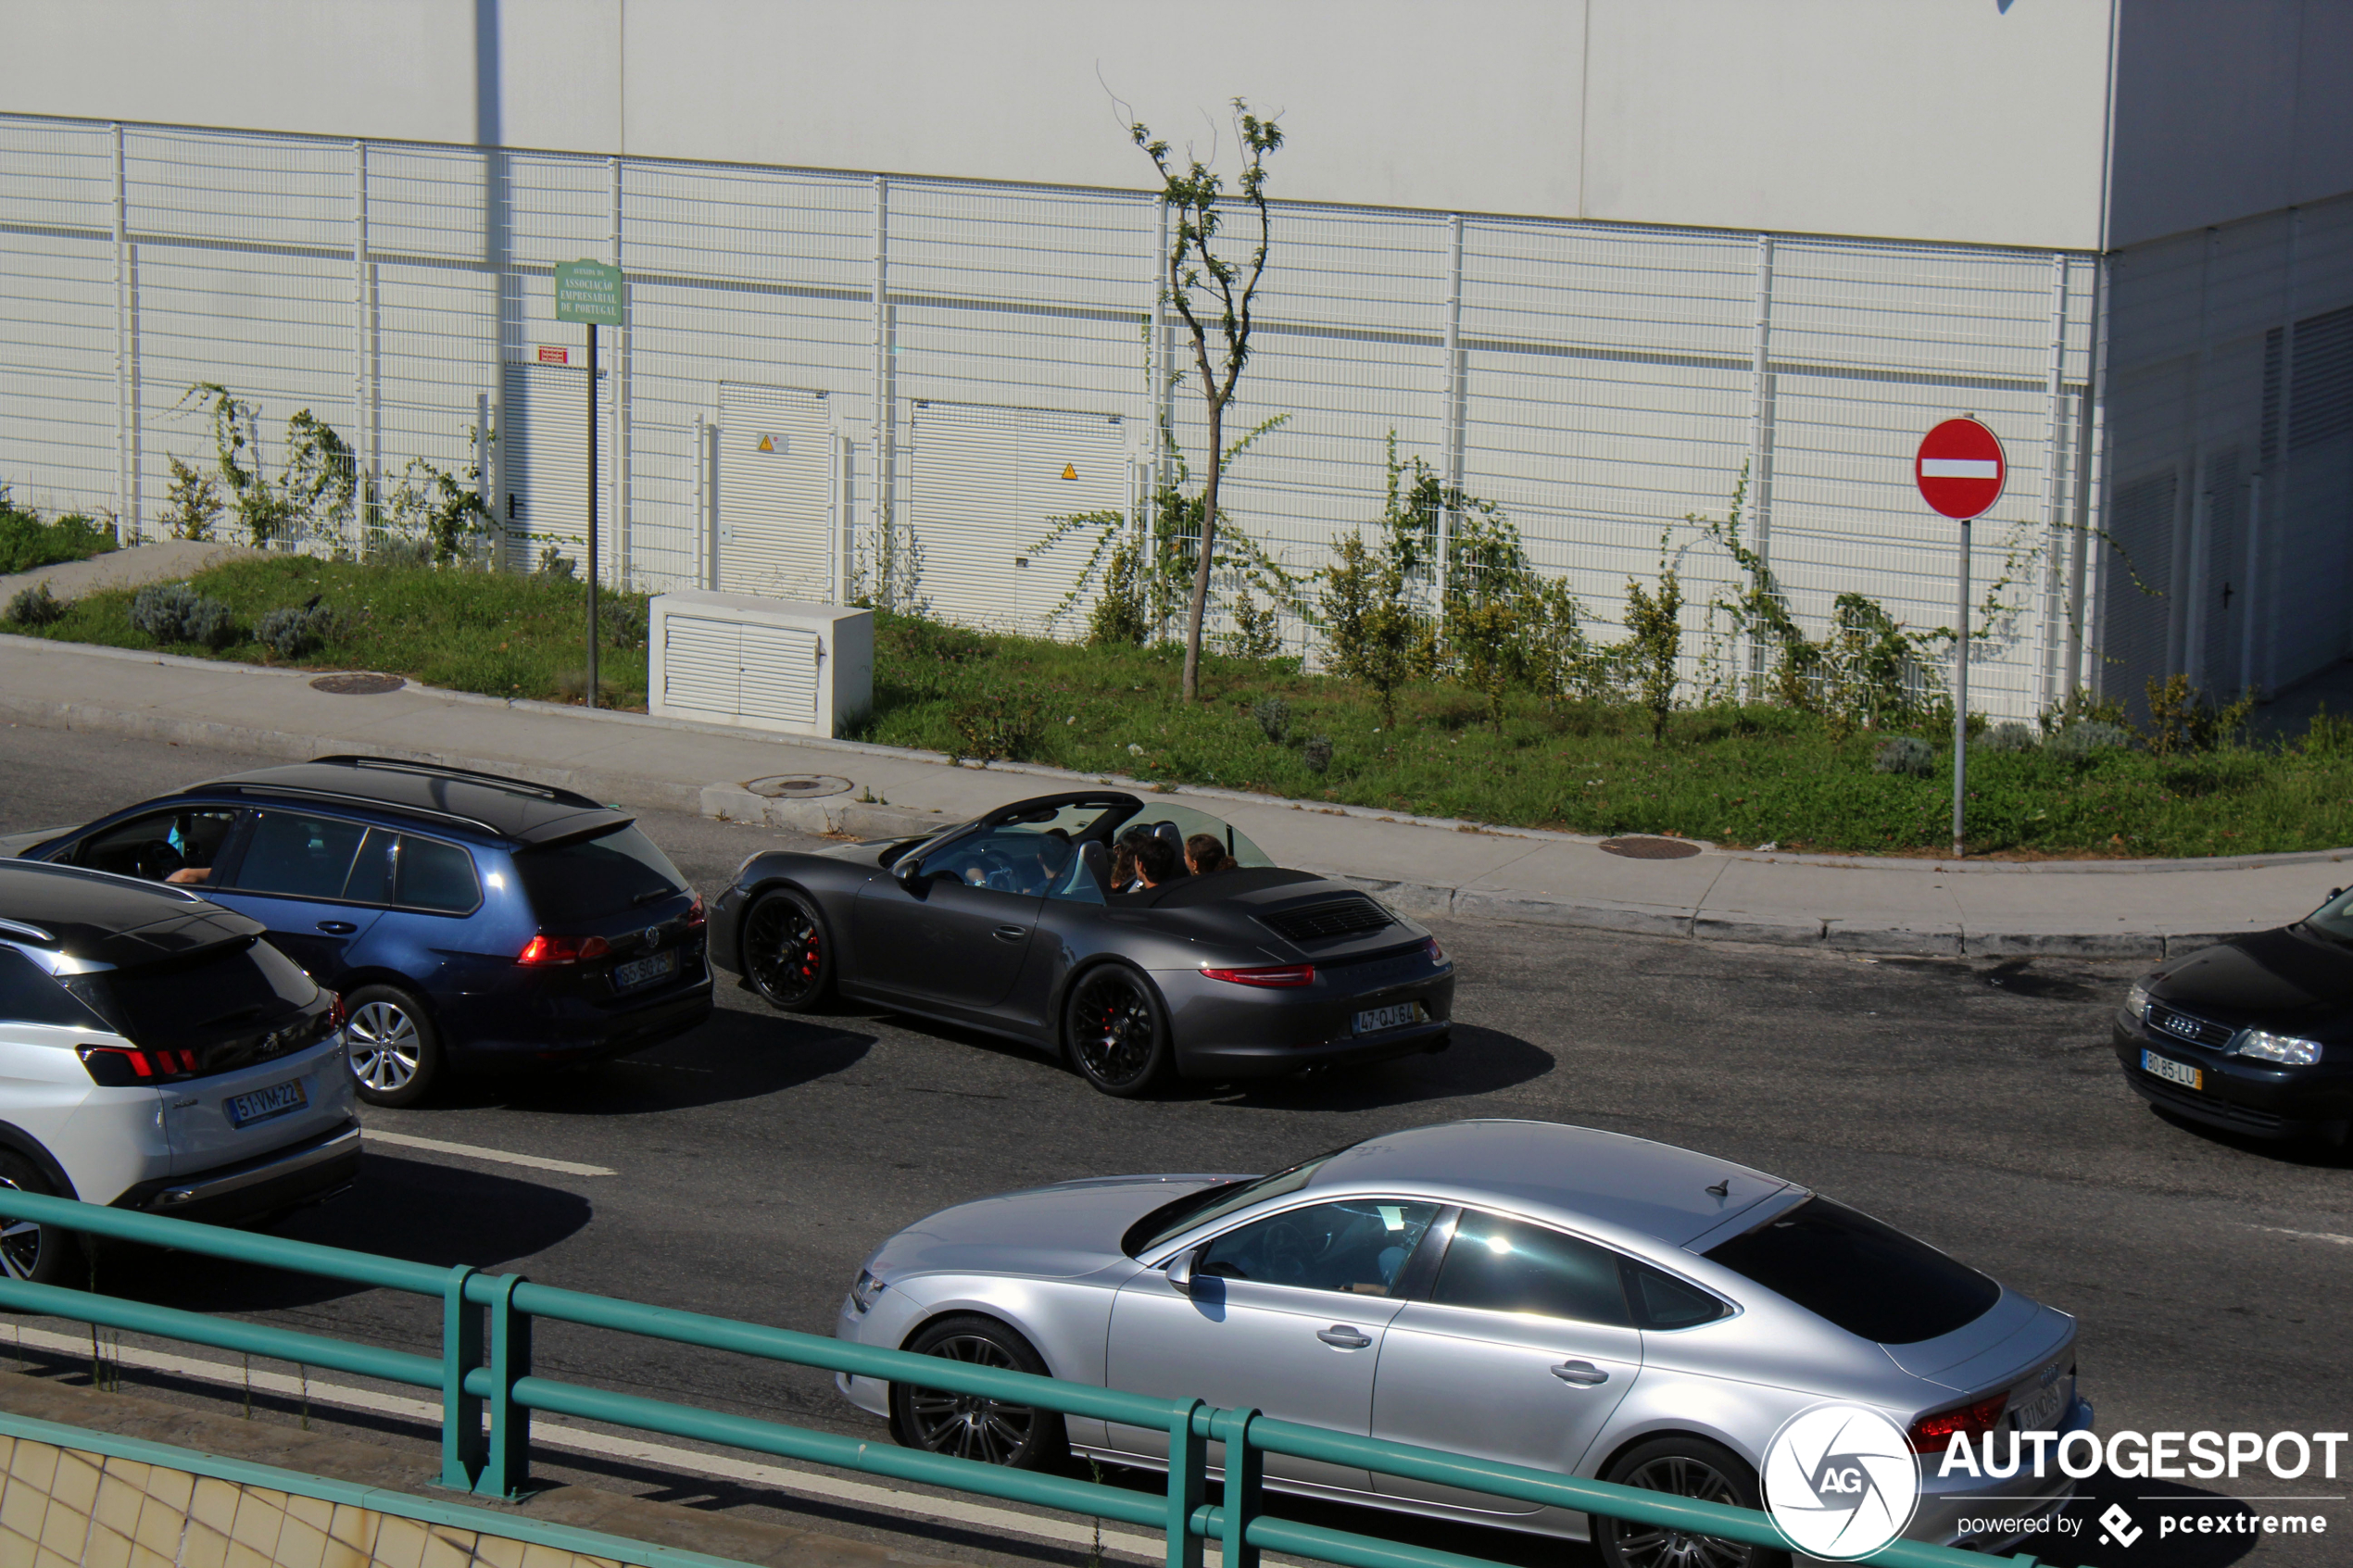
x: 166, y: 560
x: 1462, y: 871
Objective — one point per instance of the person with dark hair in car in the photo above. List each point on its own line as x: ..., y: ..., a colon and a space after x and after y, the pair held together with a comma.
x: 1156, y: 861
x: 1204, y: 853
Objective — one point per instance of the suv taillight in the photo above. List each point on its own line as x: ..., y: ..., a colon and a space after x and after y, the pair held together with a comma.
x: 126, y: 1067
x: 1933, y: 1434
x: 545, y: 949
x: 337, y: 1014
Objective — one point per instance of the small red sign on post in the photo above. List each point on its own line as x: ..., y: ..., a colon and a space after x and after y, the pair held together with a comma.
x: 551, y: 356
x: 1960, y: 469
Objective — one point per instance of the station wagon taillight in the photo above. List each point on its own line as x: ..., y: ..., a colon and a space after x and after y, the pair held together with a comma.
x: 127, y: 1066
x: 547, y: 950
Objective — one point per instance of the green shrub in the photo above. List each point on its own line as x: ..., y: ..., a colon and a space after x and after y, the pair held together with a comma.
x: 26, y: 542
x: 35, y: 607
x: 2329, y: 734
x: 2085, y: 736
x: 1907, y: 755
x: 174, y: 612
x: 1008, y: 724
x: 1317, y: 753
x: 2011, y: 735
x: 1274, y: 718
x: 294, y: 630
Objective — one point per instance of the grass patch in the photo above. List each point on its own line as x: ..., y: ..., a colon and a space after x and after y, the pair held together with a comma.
x: 1745, y: 775
x: 502, y: 635
x: 26, y: 542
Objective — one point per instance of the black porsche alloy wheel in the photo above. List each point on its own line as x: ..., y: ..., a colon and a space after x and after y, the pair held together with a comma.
x: 1688, y: 1467
x: 968, y: 1426
x: 1115, y: 1032
x: 788, y: 957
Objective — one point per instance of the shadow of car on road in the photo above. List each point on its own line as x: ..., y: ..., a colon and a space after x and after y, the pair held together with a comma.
x: 734, y: 1056
x: 2313, y: 1153
x: 409, y: 1208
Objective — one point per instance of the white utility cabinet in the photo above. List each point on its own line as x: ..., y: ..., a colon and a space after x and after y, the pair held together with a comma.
x: 762, y: 663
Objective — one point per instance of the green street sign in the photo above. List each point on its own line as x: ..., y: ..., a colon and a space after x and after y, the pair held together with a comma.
x: 588, y: 292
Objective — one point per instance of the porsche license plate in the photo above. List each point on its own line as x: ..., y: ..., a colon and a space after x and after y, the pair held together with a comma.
x: 645, y: 971
x: 1373, y: 1019
x: 2172, y: 1072
x: 278, y: 1100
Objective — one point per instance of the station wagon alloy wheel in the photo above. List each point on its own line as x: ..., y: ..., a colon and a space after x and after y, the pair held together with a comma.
x: 390, y: 1046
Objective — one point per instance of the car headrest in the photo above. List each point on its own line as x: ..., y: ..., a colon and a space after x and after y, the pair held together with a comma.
x: 1097, y: 859
x: 1174, y: 836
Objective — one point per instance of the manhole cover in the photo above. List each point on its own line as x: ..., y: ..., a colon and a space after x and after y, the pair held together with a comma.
x: 797, y: 786
x: 1646, y: 848
x: 357, y: 684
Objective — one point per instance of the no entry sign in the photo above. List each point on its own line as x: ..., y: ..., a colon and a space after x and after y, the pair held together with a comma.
x: 1960, y: 469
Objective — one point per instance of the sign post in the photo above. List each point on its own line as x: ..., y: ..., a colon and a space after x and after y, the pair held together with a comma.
x: 1960, y: 470
x: 590, y: 292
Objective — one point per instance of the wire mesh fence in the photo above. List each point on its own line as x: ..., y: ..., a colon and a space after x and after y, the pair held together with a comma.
x: 827, y: 379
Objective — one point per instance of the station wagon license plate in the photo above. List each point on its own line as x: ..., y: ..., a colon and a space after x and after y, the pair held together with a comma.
x: 645, y: 971
x: 278, y: 1100
x: 1376, y: 1019
x: 2172, y: 1072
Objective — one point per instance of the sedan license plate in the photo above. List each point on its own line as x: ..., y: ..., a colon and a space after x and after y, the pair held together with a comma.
x: 2040, y: 1412
x: 278, y: 1100
x: 2172, y: 1072
x: 1376, y: 1019
x: 645, y: 971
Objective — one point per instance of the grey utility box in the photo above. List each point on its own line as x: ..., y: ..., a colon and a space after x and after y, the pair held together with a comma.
x: 765, y: 664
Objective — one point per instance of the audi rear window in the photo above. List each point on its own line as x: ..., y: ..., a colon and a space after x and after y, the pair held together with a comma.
x: 590, y: 879
x: 197, y: 1000
x: 1870, y: 1279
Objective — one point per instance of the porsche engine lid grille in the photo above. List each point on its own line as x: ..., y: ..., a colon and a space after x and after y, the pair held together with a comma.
x: 1342, y: 917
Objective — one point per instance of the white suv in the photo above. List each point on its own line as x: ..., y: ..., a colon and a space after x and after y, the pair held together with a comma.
x: 157, y: 1054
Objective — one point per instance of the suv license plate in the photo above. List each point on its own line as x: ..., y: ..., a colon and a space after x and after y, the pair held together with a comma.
x: 645, y: 971
x: 2172, y: 1072
x: 278, y: 1100
x: 1377, y: 1019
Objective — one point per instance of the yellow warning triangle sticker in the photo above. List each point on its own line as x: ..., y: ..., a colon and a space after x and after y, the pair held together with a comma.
x: 1070, y: 470
x: 766, y: 444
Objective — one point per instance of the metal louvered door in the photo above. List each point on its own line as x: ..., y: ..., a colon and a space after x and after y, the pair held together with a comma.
x: 964, y: 472
x: 1068, y: 464
x: 777, y: 674
x: 544, y: 465
x: 700, y: 664
x: 775, y: 499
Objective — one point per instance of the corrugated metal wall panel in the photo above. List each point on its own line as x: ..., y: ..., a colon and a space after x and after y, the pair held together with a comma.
x: 544, y: 429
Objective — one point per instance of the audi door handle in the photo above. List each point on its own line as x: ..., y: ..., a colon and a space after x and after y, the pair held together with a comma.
x: 337, y: 927
x: 1583, y: 1373
x: 1012, y: 932
x: 1344, y: 1337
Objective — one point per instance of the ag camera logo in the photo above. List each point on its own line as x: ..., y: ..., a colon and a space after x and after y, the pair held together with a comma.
x: 1841, y: 1481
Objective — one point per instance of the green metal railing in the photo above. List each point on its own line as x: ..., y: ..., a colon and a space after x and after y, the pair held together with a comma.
x: 489, y: 1392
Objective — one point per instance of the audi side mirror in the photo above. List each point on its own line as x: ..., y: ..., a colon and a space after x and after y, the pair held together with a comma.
x: 1181, y: 1272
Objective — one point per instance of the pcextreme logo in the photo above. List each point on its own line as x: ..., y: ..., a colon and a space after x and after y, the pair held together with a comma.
x: 1841, y: 1481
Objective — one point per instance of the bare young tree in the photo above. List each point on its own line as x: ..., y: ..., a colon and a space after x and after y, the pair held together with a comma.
x: 1201, y: 281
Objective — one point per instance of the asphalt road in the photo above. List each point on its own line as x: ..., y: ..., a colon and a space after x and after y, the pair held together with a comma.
x: 757, y: 1160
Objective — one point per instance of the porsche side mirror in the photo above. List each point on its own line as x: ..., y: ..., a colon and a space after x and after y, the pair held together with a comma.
x: 908, y: 871
x: 1181, y: 1272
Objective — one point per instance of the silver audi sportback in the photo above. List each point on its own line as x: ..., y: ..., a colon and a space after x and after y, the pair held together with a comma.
x: 1574, y: 1301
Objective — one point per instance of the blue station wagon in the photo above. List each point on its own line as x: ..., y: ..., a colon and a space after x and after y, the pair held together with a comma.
x: 468, y: 920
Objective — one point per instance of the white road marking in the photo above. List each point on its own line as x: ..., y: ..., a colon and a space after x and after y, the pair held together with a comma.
x: 1959, y: 467
x: 556, y: 1435
x: 475, y: 1152
x: 2307, y: 1236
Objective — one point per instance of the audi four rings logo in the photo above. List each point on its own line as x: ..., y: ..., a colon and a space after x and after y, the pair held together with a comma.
x: 1841, y: 1481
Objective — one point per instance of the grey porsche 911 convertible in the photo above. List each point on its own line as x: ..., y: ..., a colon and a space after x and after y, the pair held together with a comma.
x: 1011, y: 924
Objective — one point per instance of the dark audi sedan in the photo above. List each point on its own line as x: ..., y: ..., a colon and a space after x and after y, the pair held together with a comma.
x: 2254, y: 1034
x: 468, y: 920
